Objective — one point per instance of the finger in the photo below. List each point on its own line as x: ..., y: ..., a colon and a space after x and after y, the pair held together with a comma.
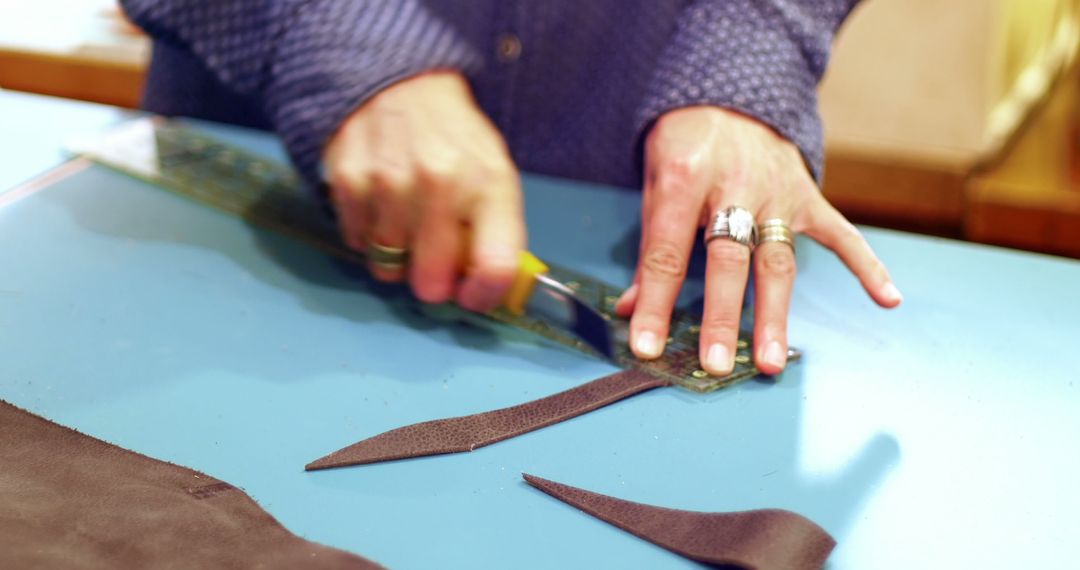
x: 666, y: 247
x: 436, y: 255
x: 624, y: 307
x: 353, y: 221
x: 349, y: 189
x: 774, y: 272
x: 391, y: 213
x: 498, y: 237
x: 727, y: 265
x: 829, y: 228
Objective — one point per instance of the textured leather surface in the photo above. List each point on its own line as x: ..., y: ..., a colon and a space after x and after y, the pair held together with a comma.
x: 769, y: 539
x: 467, y: 433
x: 68, y: 500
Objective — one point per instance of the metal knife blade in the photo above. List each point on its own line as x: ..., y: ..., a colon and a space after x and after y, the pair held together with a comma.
x: 539, y: 295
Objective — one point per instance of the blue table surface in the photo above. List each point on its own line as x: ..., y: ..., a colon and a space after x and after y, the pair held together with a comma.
x: 943, y: 434
x: 33, y: 130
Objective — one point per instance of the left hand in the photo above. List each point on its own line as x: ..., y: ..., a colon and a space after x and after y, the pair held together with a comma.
x: 702, y: 159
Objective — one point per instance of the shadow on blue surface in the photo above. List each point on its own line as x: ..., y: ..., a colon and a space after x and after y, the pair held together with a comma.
x: 321, y: 284
x: 169, y: 233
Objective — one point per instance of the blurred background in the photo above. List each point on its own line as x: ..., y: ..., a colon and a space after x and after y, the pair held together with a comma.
x: 958, y: 118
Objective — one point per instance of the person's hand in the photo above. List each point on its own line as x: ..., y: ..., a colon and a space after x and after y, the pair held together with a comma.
x: 702, y: 159
x: 420, y: 168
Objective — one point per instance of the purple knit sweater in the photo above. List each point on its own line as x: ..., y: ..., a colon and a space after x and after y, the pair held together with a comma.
x: 572, y: 84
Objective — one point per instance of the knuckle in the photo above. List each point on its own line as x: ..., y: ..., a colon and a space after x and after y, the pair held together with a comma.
x: 497, y: 167
x: 778, y: 262
x: 495, y: 181
x: 727, y: 255
x: 664, y: 260
x: 391, y: 182
x: 877, y: 270
x: 509, y: 207
x: 347, y: 179
x: 431, y: 287
x: 494, y: 274
x: 441, y: 168
x: 678, y: 173
x: 651, y: 318
x: 681, y: 166
x: 438, y: 173
x: 720, y: 324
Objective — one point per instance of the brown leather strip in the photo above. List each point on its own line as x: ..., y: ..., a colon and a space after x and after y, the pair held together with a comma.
x: 769, y: 539
x: 467, y: 433
x: 71, y: 501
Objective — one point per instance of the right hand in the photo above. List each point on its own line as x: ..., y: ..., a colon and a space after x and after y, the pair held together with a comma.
x: 420, y: 167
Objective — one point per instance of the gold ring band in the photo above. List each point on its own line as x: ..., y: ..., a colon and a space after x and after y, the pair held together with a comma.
x: 775, y: 229
x: 387, y: 256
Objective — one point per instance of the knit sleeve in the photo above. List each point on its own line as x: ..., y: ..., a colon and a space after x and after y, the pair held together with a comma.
x: 761, y: 58
x: 308, y: 62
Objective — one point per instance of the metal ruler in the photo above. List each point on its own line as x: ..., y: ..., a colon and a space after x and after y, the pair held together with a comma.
x: 268, y: 194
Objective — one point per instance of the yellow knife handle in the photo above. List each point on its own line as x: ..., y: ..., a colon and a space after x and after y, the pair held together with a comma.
x: 529, y: 266
x: 524, y: 282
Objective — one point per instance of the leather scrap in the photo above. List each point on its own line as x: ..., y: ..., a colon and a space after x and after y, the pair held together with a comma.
x: 68, y: 500
x: 768, y: 539
x: 466, y: 433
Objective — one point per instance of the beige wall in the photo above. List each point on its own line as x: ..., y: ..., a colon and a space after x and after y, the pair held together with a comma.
x: 941, y: 80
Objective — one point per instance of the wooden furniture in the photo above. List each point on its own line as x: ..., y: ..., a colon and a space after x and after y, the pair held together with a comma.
x: 79, y: 49
x: 921, y: 95
x: 1031, y: 198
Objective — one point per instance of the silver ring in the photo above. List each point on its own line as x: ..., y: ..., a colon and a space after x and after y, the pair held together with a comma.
x: 387, y: 256
x: 734, y: 223
x: 774, y: 229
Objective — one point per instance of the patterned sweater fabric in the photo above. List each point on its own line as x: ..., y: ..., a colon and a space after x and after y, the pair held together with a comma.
x: 573, y: 85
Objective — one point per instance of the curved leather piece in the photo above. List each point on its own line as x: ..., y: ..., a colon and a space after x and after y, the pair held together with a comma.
x: 68, y: 500
x: 769, y: 539
x: 466, y: 433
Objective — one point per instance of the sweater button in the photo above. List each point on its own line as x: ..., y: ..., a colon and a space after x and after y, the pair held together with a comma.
x: 508, y: 48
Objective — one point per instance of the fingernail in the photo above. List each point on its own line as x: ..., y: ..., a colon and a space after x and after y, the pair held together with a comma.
x: 648, y: 345
x: 891, y: 293
x: 718, y: 359
x: 774, y: 354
